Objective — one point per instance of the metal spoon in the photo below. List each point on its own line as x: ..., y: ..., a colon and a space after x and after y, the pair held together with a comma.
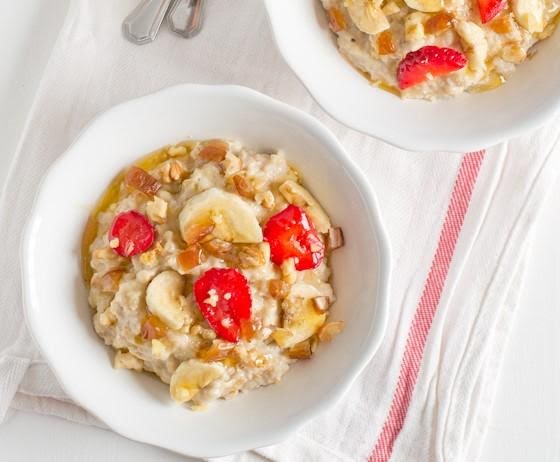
x: 185, y: 17
x: 142, y: 25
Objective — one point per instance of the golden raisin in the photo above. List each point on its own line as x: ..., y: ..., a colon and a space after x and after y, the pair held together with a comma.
x: 109, y: 282
x: 189, y: 258
x: 243, y: 187
x: 337, y: 21
x: 218, y: 351
x: 438, y: 23
x: 501, y: 24
x: 386, y: 43
x: 142, y: 181
x: 214, y: 151
x: 152, y: 328
x: 248, y: 329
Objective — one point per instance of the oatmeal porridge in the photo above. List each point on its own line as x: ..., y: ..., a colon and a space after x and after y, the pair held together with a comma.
x: 432, y: 49
x: 208, y: 265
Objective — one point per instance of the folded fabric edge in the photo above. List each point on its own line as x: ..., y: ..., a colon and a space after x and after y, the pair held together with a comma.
x: 504, y: 277
x: 12, y: 371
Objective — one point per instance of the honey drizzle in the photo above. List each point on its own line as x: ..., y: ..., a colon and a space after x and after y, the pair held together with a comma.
x: 111, y: 195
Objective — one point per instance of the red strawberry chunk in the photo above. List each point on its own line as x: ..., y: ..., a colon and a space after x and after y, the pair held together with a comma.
x: 416, y: 65
x: 489, y: 9
x: 224, y: 299
x: 134, y: 233
x: 291, y: 234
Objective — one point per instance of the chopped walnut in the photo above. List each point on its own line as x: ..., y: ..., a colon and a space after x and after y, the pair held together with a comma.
x: 107, y: 318
x: 156, y: 210
x: 301, y: 350
x: 160, y: 350
x: 218, y: 248
x: 177, y: 151
x: 278, y: 289
x: 172, y: 171
x: 266, y: 199
x: 289, y: 272
x: 321, y: 303
x: 335, y: 238
x: 243, y: 187
x: 253, y: 255
x: 128, y: 361
x: 109, y: 282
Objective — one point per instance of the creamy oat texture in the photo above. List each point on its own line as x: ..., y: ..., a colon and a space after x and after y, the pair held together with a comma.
x: 375, y: 35
x: 144, y: 306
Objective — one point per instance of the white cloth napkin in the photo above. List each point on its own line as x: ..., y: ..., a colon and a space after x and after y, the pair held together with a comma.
x: 92, y: 68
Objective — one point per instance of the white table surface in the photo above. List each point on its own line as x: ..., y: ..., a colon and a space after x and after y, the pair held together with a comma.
x: 525, y: 422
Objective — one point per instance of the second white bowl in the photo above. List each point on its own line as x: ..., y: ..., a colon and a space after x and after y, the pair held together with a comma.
x: 466, y: 123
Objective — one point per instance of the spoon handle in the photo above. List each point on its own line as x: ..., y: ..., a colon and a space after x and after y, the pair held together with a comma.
x: 142, y: 24
x: 186, y: 16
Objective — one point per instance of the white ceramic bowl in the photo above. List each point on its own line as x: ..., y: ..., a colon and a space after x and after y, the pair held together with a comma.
x: 138, y: 405
x: 463, y: 124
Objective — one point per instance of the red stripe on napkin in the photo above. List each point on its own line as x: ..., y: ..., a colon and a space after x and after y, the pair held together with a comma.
x: 427, y: 306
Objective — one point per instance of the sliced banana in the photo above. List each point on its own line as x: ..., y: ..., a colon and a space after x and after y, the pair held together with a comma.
x: 232, y: 218
x: 191, y: 377
x: 301, y: 320
x: 426, y: 6
x: 163, y: 297
x: 475, y: 44
x: 530, y: 14
x: 367, y: 15
x: 296, y: 194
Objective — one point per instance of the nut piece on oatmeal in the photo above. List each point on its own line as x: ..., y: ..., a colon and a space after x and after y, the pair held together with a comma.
x: 127, y: 361
x: 214, y: 151
x: 156, y: 210
x: 367, y: 15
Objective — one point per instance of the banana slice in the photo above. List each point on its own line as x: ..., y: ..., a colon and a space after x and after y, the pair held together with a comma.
x: 530, y: 14
x: 231, y: 218
x: 426, y: 6
x: 474, y: 43
x: 163, y: 297
x: 367, y: 15
x: 296, y: 194
x: 301, y: 320
x: 191, y: 377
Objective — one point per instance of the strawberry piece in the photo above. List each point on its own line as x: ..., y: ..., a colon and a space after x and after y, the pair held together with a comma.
x: 489, y: 9
x: 134, y: 232
x: 416, y: 65
x: 291, y: 234
x: 224, y: 299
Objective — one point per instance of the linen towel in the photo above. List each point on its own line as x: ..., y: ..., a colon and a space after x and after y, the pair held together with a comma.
x: 459, y: 226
